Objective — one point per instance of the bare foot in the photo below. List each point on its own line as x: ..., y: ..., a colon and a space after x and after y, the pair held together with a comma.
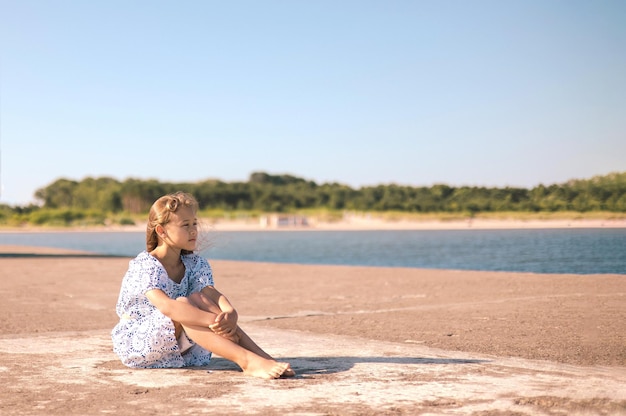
x: 289, y: 372
x: 267, y: 369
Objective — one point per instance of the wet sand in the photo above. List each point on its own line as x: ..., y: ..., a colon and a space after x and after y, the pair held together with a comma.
x: 363, y: 340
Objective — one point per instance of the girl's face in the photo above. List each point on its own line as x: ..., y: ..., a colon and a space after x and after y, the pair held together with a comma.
x: 181, y: 231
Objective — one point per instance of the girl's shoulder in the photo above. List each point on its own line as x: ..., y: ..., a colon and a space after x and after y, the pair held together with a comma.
x: 144, y: 255
x: 144, y: 259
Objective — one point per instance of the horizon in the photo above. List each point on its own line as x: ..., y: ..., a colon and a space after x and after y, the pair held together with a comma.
x: 367, y: 93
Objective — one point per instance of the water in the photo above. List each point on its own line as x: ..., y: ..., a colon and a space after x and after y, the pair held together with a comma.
x: 580, y: 251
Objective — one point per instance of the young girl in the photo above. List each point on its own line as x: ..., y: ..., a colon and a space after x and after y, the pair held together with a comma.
x: 171, y: 315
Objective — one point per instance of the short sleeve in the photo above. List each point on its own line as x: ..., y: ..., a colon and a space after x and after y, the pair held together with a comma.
x: 148, y: 274
x: 144, y: 273
x: 201, y: 274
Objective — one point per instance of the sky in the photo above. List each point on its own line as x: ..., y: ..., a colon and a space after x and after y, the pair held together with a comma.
x: 466, y: 93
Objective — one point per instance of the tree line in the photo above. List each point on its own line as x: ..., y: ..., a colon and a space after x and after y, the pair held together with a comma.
x: 264, y: 192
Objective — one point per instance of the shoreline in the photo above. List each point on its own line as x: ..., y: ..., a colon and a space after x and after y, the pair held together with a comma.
x: 357, y: 224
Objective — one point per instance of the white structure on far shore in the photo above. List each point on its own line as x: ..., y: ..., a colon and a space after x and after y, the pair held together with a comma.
x: 283, y: 220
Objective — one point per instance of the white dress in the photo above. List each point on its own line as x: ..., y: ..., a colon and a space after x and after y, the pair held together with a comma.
x: 145, y: 337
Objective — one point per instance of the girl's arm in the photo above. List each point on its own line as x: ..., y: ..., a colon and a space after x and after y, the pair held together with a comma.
x: 182, y: 312
x: 225, y: 322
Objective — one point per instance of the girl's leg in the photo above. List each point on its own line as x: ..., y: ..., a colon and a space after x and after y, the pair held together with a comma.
x: 241, y: 350
x: 199, y: 300
x: 246, y: 342
x: 203, y: 302
x: 251, y: 363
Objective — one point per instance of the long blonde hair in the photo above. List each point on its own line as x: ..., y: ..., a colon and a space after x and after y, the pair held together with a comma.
x: 160, y: 214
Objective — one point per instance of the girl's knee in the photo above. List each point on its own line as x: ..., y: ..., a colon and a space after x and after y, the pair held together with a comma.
x: 195, y: 296
x: 202, y: 301
x: 196, y: 299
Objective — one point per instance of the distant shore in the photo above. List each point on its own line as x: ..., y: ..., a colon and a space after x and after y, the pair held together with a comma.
x: 357, y: 224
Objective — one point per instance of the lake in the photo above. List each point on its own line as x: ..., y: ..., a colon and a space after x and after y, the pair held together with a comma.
x: 579, y: 251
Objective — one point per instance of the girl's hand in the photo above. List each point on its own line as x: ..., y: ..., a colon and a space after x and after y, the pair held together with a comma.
x: 225, y: 324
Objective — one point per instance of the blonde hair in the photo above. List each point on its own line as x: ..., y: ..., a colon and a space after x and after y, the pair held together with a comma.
x: 160, y: 214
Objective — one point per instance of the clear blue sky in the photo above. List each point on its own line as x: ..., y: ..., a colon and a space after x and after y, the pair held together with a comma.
x: 486, y: 93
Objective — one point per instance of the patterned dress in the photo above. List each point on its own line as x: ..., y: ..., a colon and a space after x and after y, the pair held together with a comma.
x: 145, y: 337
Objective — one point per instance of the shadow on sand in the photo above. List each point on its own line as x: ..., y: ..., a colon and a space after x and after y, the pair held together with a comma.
x: 309, y: 366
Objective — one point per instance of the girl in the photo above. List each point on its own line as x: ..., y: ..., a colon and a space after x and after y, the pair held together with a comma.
x: 170, y: 313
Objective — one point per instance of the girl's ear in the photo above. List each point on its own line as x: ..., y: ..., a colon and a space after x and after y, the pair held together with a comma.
x: 160, y: 231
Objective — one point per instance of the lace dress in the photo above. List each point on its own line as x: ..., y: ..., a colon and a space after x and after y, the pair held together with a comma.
x: 144, y: 337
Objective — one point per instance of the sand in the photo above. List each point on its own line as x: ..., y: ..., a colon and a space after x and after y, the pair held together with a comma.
x: 363, y: 340
x: 365, y: 222
x: 358, y: 223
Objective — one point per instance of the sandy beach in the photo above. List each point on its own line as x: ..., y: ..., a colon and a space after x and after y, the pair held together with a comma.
x: 358, y: 223
x: 363, y: 340
x: 366, y: 222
